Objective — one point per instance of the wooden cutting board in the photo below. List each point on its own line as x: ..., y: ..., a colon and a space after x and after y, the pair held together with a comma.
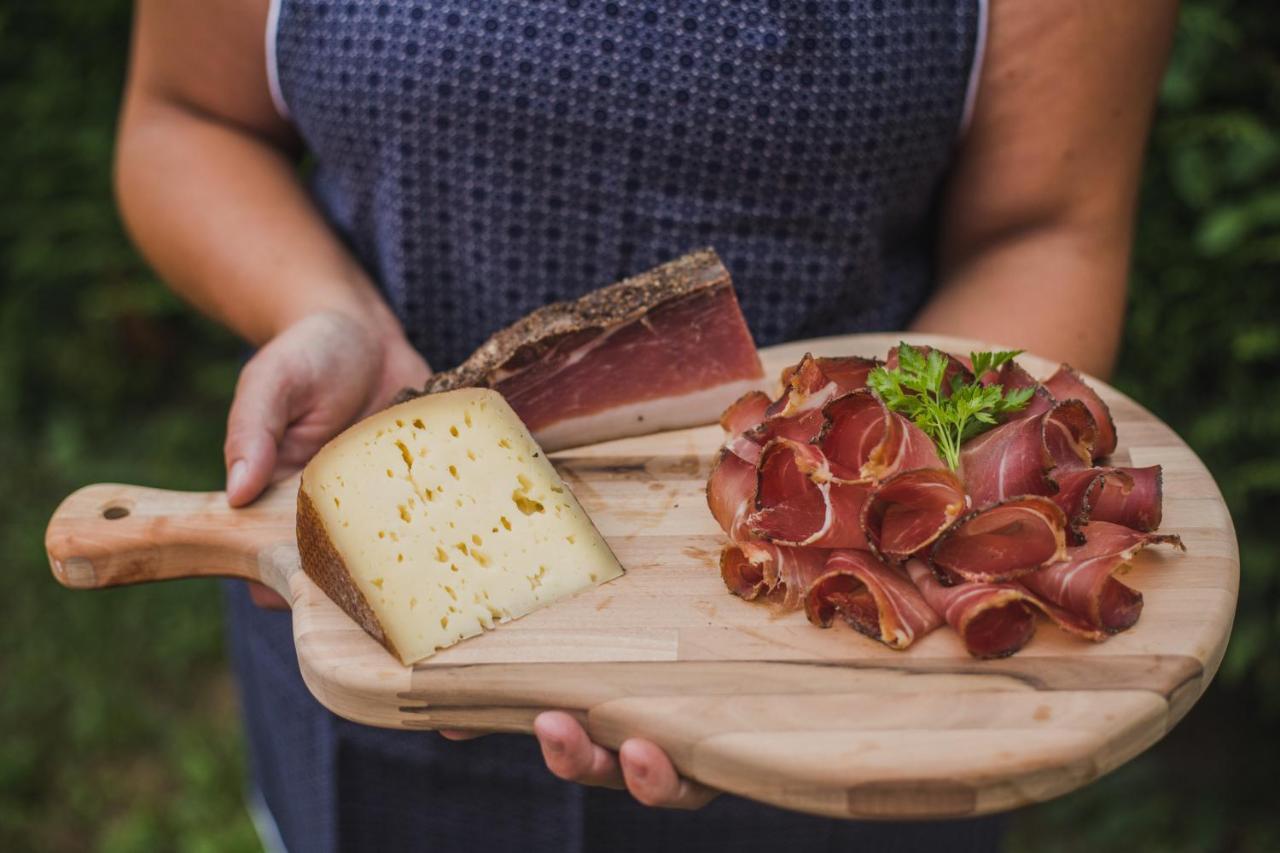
x: 744, y: 698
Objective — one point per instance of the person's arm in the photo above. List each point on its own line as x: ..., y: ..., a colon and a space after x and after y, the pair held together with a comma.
x: 206, y: 180
x: 207, y: 183
x: 1037, y: 220
x: 206, y: 175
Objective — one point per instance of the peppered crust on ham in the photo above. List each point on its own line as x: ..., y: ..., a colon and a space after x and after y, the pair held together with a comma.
x: 665, y: 349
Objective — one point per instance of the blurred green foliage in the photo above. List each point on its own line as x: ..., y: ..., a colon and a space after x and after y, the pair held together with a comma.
x: 119, y: 718
x: 1202, y: 351
x: 1202, y: 347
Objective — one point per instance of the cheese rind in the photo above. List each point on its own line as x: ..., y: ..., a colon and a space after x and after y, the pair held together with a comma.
x: 438, y: 518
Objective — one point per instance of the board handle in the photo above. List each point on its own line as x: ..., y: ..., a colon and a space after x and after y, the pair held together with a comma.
x: 110, y: 534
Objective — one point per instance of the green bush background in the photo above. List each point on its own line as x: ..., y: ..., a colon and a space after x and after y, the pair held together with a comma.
x: 118, y: 718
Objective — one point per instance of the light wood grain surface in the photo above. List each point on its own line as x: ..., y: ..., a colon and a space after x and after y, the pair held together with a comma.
x: 743, y: 697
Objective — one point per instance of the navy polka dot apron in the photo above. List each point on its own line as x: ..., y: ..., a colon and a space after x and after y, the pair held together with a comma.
x: 483, y: 158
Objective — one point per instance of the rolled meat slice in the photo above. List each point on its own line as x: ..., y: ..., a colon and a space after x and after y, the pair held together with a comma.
x: 797, y: 503
x: 742, y: 423
x: 1079, y: 491
x: 744, y: 576
x: 873, y: 598
x: 814, y: 381
x: 744, y: 413
x: 799, y: 428
x: 1012, y: 539
x: 731, y: 490
x: 910, y: 510
x: 1067, y: 384
x: 753, y: 569
x: 753, y: 420
x: 864, y: 442
x: 1084, y: 582
x: 1016, y: 458
x: 994, y: 620
x: 1139, y: 507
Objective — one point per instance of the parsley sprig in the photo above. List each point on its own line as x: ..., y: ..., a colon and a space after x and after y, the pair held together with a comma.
x: 949, y: 413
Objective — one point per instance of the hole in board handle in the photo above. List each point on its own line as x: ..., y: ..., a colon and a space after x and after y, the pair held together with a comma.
x: 111, y: 513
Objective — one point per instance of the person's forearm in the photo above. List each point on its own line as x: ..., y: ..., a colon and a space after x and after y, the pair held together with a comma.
x: 221, y: 215
x: 1037, y: 215
x: 1052, y: 291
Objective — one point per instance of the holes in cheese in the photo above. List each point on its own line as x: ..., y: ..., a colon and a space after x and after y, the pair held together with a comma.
x: 374, y: 537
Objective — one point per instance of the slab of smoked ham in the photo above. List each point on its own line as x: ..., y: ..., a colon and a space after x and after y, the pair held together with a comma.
x: 834, y: 503
x: 666, y: 349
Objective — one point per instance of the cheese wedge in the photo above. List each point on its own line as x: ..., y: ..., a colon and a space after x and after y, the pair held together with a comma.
x: 440, y: 517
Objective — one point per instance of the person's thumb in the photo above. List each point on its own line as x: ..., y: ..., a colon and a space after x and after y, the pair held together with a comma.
x: 255, y: 426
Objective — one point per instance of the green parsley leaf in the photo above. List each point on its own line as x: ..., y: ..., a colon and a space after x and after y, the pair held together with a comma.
x: 916, y: 389
x: 984, y: 362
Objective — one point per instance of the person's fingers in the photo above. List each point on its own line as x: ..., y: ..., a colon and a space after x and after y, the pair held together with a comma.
x: 460, y: 734
x: 652, y: 778
x: 255, y: 425
x: 571, y: 755
x: 266, y: 597
x: 403, y: 369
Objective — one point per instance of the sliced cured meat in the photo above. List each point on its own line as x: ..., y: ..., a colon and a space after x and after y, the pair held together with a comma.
x: 1079, y: 491
x: 752, y: 569
x: 994, y: 620
x: 666, y: 349
x: 753, y: 420
x: 1014, y: 376
x: 1127, y: 496
x: 1084, y: 582
x: 1067, y: 384
x: 742, y: 421
x: 1015, y: 458
x: 910, y: 510
x: 1002, y: 542
x: 863, y: 441
x: 744, y: 413
x: 838, y: 504
x: 1069, y: 434
x: 797, y: 504
x: 1139, y: 507
x: 743, y: 576
x: 746, y: 447
x: 802, y: 428
x: 815, y: 380
x: 731, y: 490
x: 875, y: 599
x: 795, y: 569
x: 848, y: 372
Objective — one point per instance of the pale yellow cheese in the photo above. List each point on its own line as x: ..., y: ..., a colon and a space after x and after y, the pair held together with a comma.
x: 450, y: 519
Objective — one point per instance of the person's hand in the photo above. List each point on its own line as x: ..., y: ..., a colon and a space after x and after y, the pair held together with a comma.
x: 640, y: 766
x: 303, y: 387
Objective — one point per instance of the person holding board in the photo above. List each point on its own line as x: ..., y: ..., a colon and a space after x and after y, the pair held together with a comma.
x: 966, y: 167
